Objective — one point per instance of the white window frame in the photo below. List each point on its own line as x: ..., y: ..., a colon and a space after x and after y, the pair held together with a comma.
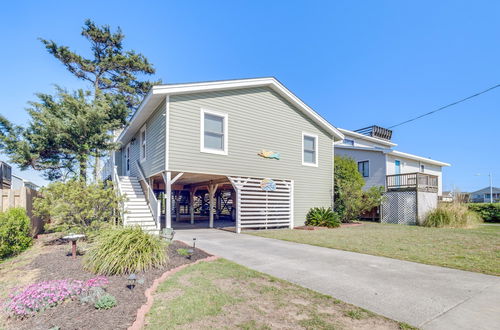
x: 316, y: 149
x: 362, y: 161
x: 202, y: 132
x: 143, y: 142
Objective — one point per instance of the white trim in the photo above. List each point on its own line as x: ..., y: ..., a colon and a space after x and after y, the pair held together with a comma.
x: 316, y: 149
x: 141, y: 142
x: 414, y: 157
x: 366, y: 137
x: 151, y: 101
x: 127, y: 160
x: 167, y: 131
x: 225, y: 116
x: 369, y: 171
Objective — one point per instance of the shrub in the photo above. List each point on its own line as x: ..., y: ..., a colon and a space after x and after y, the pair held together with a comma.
x: 323, y: 217
x: 125, y: 250
x: 183, y: 252
x: 15, y: 232
x: 76, y: 206
x: 454, y: 215
x: 489, y: 212
x: 106, y: 301
x: 350, y: 199
x: 42, y: 295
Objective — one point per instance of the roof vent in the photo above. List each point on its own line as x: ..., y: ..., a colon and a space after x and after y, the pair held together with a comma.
x: 376, y: 132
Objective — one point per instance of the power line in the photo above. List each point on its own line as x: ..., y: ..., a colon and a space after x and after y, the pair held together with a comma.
x: 446, y: 106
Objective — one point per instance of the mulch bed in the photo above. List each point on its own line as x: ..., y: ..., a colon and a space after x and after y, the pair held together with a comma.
x: 58, y: 264
x: 354, y: 224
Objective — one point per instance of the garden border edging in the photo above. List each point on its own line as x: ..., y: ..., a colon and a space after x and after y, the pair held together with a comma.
x: 146, y: 307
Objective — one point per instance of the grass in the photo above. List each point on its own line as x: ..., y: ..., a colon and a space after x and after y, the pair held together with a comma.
x: 476, y: 250
x: 222, y: 294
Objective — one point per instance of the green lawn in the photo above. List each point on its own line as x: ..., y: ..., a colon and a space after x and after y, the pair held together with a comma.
x: 224, y: 295
x: 476, y: 250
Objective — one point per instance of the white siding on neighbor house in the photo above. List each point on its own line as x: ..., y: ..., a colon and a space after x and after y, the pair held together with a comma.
x: 376, y: 160
x: 412, y: 166
x: 258, y: 119
x: 359, y: 142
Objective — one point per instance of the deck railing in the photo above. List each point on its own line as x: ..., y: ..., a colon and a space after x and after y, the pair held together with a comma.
x: 412, y: 181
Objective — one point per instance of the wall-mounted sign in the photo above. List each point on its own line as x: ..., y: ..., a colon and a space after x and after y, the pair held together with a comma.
x: 269, y: 154
x: 268, y: 185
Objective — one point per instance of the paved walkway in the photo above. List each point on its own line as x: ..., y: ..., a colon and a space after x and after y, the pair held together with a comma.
x: 425, y: 296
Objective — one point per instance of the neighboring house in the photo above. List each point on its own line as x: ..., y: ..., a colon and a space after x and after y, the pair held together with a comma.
x: 18, y: 183
x: 372, y: 149
x: 250, y: 145
x: 447, y: 196
x: 484, y: 195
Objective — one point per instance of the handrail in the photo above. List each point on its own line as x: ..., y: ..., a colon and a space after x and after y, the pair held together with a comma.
x: 116, y: 180
x: 153, y: 202
x: 413, y: 181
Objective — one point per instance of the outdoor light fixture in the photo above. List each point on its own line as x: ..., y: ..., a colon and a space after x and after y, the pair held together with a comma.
x: 194, y: 243
x: 132, y: 278
x: 191, y: 251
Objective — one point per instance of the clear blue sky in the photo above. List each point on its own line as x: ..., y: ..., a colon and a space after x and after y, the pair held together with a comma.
x: 357, y: 63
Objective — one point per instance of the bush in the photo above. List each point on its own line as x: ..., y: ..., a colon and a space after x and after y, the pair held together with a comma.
x: 15, y: 232
x: 489, y: 212
x: 125, y: 250
x: 77, y: 207
x: 323, y: 217
x: 42, y: 295
x: 106, y: 301
x: 454, y: 215
x: 350, y: 199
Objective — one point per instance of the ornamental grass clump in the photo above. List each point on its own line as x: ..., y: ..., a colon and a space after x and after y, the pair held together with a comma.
x: 454, y: 215
x: 39, y: 296
x: 127, y: 250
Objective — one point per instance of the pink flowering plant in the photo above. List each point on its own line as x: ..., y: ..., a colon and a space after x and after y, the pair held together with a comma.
x: 39, y: 296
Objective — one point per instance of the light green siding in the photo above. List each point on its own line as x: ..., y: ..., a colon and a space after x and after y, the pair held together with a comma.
x: 155, y: 145
x: 258, y: 118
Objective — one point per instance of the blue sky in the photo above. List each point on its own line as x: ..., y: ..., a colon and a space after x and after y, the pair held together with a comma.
x: 357, y: 63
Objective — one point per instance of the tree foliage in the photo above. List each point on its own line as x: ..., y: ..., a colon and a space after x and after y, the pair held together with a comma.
x: 15, y: 232
x: 63, y: 132
x: 111, y: 69
x: 350, y: 199
x: 74, y: 205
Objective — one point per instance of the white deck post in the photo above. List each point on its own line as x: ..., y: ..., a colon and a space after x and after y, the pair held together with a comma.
x: 192, y: 193
x: 168, y: 198
x: 212, y: 188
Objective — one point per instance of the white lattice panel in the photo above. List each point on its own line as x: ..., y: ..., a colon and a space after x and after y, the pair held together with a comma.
x: 399, y: 207
x: 258, y: 208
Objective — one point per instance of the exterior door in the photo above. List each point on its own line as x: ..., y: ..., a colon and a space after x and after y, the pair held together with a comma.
x: 126, y: 160
x: 397, y: 170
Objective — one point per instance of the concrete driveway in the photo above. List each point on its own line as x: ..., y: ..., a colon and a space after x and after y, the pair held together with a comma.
x: 425, y: 296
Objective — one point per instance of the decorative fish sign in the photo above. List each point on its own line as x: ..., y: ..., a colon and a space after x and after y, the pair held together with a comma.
x: 269, y: 154
x: 268, y: 185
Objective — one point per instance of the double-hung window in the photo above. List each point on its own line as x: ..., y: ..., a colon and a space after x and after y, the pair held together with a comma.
x: 309, y: 149
x: 364, y: 168
x: 143, y: 143
x: 213, y: 132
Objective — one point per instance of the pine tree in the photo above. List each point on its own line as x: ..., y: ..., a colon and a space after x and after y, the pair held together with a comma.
x: 111, y: 71
x: 64, y: 130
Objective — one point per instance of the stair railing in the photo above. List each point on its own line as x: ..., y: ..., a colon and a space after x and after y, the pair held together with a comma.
x: 116, y: 182
x: 153, y: 202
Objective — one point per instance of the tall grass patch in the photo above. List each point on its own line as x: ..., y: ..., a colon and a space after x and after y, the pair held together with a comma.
x: 454, y: 215
x: 128, y: 250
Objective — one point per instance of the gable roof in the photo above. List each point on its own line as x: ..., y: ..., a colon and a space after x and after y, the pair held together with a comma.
x: 157, y: 94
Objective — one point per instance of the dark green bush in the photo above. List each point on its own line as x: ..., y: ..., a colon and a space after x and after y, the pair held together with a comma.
x: 489, y: 212
x: 452, y: 215
x: 125, y: 250
x: 15, y: 232
x: 322, y: 217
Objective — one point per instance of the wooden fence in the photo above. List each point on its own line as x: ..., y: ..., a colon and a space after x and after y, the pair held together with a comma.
x: 22, y: 198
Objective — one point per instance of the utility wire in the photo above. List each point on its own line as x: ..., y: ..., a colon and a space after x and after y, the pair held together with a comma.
x: 446, y: 106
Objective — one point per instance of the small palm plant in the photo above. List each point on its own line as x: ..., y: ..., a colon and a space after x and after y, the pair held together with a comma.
x: 322, y: 217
